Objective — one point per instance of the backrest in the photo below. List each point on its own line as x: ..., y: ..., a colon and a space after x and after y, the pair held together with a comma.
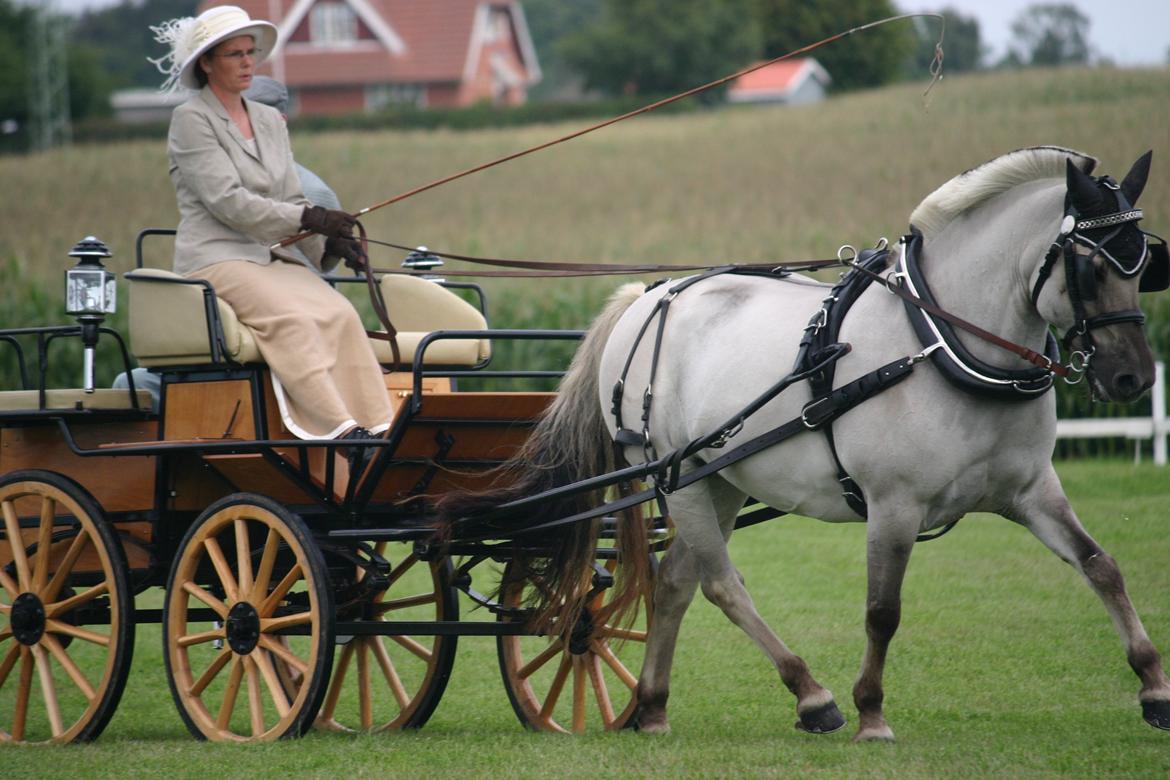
x: 420, y: 305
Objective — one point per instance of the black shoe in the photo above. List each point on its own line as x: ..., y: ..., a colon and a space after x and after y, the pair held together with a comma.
x: 358, y: 456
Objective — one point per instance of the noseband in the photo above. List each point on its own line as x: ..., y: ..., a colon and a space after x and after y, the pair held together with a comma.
x: 1080, y: 273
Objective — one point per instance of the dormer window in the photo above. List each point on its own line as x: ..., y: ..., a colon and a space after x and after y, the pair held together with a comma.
x: 498, y: 26
x: 333, y: 23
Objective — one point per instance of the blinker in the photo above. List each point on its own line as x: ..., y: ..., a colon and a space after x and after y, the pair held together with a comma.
x: 1086, y: 275
x: 1156, y: 277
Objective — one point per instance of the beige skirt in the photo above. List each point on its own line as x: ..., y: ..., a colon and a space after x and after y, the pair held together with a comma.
x: 326, y: 376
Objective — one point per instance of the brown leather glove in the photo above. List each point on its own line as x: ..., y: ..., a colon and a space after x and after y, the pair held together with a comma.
x: 331, y: 223
x: 348, y: 249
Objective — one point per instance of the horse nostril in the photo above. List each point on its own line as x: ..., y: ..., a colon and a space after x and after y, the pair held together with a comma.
x: 1128, y: 386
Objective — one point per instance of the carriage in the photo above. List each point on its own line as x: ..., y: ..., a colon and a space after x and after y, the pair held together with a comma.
x: 294, y: 593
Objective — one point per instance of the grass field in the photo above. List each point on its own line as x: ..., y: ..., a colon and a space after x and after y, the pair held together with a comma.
x: 732, y: 184
x: 1005, y: 665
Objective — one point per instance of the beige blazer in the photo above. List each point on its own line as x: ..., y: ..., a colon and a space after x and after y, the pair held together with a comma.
x: 234, y: 203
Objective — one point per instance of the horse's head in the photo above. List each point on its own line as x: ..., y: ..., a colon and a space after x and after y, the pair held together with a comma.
x: 1095, y: 269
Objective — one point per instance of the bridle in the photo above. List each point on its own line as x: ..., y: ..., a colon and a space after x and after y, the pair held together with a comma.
x: 1081, y: 275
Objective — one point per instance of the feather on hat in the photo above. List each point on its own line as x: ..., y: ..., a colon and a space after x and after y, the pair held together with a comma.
x: 192, y: 37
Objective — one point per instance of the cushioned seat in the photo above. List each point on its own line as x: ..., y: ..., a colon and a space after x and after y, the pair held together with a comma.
x: 418, y: 307
x: 168, y: 322
x: 27, y: 400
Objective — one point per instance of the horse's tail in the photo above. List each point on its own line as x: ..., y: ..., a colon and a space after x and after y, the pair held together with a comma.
x: 570, y: 443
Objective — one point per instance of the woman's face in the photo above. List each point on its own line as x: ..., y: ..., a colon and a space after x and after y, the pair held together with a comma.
x: 229, y: 65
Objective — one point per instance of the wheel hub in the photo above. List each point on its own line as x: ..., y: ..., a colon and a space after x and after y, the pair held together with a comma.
x: 28, y: 619
x: 243, y: 628
x: 582, y: 632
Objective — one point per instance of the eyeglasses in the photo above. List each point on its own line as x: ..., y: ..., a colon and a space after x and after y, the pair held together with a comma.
x: 239, y: 54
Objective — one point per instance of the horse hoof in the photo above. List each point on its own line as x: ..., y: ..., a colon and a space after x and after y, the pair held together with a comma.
x: 654, y: 728
x: 646, y: 721
x: 822, y: 720
x: 1157, y: 713
x: 880, y: 734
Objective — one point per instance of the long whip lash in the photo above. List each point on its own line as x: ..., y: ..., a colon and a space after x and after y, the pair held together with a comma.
x: 935, y: 72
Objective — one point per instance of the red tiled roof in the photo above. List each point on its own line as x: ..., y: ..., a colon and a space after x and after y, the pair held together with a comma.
x: 779, y: 76
x: 437, y: 35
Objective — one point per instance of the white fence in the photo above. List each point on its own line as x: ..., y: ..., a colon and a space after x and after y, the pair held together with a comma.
x: 1155, y: 427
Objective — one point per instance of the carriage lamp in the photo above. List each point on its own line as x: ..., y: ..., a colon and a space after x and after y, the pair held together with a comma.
x: 90, y: 294
x: 422, y: 259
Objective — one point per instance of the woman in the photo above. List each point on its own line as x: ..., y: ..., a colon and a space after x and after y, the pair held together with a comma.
x: 238, y: 194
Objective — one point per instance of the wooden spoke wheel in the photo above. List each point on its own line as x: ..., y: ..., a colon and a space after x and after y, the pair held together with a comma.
x: 66, y: 615
x: 395, y: 682
x: 248, y: 594
x: 585, y: 683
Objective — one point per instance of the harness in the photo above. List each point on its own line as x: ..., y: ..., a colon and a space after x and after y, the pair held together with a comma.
x: 1094, y: 234
x: 819, y: 350
x: 948, y: 354
x: 816, y: 360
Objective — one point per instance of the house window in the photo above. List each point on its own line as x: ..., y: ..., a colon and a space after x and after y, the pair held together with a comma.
x: 333, y: 23
x: 379, y: 96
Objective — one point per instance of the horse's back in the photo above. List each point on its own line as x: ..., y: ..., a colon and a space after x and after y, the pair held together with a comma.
x: 727, y: 340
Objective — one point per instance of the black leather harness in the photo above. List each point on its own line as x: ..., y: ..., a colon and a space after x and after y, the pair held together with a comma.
x: 820, y: 349
x: 816, y: 360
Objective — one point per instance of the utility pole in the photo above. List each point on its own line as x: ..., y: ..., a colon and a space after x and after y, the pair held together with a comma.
x: 49, y: 79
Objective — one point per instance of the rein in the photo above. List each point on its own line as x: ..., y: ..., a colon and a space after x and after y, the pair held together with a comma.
x: 1028, y: 354
x: 935, y: 73
x: 554, y: 268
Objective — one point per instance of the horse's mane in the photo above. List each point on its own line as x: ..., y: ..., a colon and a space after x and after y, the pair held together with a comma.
x: 972, y: 187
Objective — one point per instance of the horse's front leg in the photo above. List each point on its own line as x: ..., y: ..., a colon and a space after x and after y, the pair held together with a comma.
x: 888, y: 551
x: 1046, y: 512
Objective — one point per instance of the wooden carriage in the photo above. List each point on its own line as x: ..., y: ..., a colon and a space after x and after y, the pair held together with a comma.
x: 294, y: 594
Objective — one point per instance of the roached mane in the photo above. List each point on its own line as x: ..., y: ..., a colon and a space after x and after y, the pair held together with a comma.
x: 991, y: 178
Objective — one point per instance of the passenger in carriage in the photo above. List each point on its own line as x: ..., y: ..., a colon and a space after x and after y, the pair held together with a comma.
x: 271, y: 92
x: 238, y: 194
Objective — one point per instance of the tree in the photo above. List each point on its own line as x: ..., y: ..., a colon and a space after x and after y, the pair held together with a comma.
x: 120, y: 39
x: 15, y: 23
x: 549, y: 21
x: 659, y: 46
x: 962, y: 46
x: 1050, y: 34
x: 869, y: 59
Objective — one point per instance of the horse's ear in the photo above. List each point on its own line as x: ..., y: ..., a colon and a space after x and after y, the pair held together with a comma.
x: 1082, y: 190
x: 1135, y: 180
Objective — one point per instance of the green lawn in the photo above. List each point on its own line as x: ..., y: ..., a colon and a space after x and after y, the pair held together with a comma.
x: 1005, y: 665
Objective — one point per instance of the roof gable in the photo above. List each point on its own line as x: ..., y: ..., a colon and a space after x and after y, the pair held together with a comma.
x: 413, y: 41
x: 779, y: 78
x: 366, y: 13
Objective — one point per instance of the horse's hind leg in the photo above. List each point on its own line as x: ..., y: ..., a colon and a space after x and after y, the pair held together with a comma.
x: 1045, y: 511
x: 695, y: 516
x: 674, y: 589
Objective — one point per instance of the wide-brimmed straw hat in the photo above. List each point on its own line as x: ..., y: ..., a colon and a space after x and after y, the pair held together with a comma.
x: 190, y: 38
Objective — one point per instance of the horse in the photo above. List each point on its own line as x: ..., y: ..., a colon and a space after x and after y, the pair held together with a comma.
x: 993, y: 242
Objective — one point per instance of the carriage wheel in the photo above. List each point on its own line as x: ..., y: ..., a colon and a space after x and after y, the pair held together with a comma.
x: 588, y: 682
x: 248, y: 593
x: 395, y: 682
x: 66, y: 615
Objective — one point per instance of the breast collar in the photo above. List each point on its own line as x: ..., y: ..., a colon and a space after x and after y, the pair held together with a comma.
x: 953, y: 360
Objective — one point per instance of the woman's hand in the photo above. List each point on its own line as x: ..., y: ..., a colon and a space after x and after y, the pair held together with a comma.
x: 348, y: 249
x: 331, y: 223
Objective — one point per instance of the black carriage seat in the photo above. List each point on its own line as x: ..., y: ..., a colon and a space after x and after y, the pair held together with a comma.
x: 178, y: 321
